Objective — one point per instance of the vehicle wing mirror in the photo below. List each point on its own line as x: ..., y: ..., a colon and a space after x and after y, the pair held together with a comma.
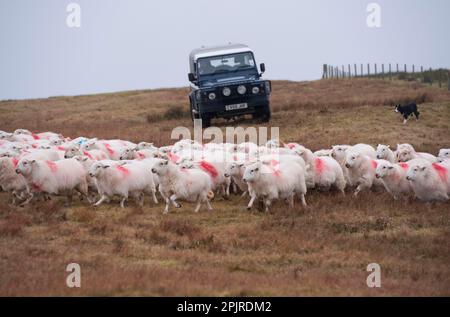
x: 262, y: 66
x: 191, y: 77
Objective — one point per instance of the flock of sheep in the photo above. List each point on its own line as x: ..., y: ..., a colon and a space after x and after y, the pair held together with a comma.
x: 37, y: 166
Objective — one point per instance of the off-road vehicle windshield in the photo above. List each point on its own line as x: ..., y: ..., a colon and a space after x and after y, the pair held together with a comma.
x: 217, y: 69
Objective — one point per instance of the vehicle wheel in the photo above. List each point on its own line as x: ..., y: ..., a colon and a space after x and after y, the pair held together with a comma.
x: 263, y: 115
x: 206, y: 121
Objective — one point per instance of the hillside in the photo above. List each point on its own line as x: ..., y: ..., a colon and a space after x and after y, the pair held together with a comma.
x: 321, y: 250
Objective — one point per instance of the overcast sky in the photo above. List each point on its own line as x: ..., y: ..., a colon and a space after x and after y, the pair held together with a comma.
x: 132, y: 44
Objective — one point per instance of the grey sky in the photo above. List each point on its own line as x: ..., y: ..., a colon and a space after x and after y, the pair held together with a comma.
x: 132, y: 44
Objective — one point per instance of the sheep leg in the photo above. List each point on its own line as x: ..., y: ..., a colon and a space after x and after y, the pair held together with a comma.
x: 30, y: 197
x: 199, y: 202
x: 291, y: 201
x: 166, y: 209
x: 243, y: 195
x: 302, y: 197
x: 267, y: 203
x: 208, y: 204
x: 252, y: 200
x: 155, y: 200
x: 173, y: 199
x: 101, y: 200
x: 124, y: 199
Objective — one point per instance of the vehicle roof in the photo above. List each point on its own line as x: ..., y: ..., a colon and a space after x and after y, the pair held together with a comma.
x: 208, y: 51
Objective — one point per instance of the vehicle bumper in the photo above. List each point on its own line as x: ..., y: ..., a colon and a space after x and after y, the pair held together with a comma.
x: 217, y: 108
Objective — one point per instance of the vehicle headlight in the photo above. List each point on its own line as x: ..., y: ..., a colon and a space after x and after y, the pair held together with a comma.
x: 241, y: 89
x: 212, y: 96
x: 267, y: 83
x: 226, y: 91
x: 198, y: 95
x: 255, y: 90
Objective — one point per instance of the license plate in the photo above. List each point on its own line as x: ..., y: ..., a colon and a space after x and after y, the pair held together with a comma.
x: 236, y: 106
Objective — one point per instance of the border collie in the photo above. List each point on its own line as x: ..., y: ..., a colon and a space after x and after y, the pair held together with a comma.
x: 407, y: 110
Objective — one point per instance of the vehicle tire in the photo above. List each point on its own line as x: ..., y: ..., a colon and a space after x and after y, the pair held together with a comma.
x: 206, y: 120
x: 263, y: 114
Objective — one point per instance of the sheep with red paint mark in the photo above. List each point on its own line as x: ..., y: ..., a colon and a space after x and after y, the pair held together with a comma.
x: 192, y: 185
x: 361, y: 170
x: 113, y: 148
x: 133, y: 153
x: 276, y: 180
x: 12, y: 182
x: 122, y: 179
x: 324, y: 171
x: 429, y: 181
x: 54, y: 177
x: 75, y: 150
x: 394, y: 179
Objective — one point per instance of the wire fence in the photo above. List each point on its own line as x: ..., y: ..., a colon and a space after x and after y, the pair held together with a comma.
x: 440, y: 77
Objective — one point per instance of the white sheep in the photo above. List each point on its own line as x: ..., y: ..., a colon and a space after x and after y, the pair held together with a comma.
x: 323, y: 152
x: 406, y: 152
x: 75, y: 150
x: 325, y: 171
x: 429, y: 181
x: 282, y: 180
x: 361, y: 169
x: 54, y: 178
x: 384, y: 152
x: 10, y: 181
x: 130, y: 153
x: 123, y: 180
x: 393, y: 177
x: 182, y: 183
x: 444, y: 153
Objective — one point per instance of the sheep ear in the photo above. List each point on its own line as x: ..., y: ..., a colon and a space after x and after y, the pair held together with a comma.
x: 106, y: 166
x: 391, y: 167
x: 388, y: 146
x: 33, y: 161
x: 85, y: 159
x: 423, y: 168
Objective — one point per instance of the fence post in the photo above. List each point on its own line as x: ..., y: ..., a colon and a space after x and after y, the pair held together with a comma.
x: 431, y: 77
x: 356, y: 73
x: 362, y: 71
x: 368, y: 70
x: 440, y: 78
x: 406, y: 70
x: 397, y: 69
x: 390, y: 72
x: 382, y: 71
x: 448, y: 80
x: 349, y: 71
x: 343, y: 71
x: 376, y: 69
x: 413, y: 69
x: 324, y: 74
x: 422, y: 74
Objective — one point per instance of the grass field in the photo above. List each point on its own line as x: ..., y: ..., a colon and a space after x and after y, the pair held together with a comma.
x: 321, y: 250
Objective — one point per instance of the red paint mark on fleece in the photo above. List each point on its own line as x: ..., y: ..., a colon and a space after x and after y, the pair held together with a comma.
x: 208, y: 168
x: 374, y: 164
x: 109, y: 148
x: 275, y: 167
x: 291, y: 145
x: 319, y: 165
x: 173, y: 157
x: 404, y: 166
x: 35, y: 136
x: 34, y: 146
x: 442, y: 171
x: 52, y: 166
x: 140, y: 155
x: 36, y: 187
x: 61, y: 148
x: 88, y: 155
x: 123, y: 170
x: 14, y: 161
